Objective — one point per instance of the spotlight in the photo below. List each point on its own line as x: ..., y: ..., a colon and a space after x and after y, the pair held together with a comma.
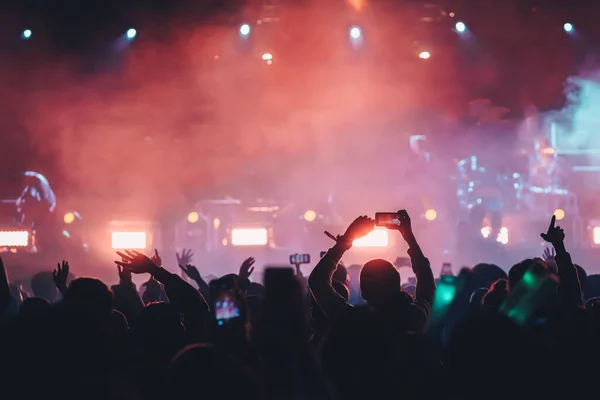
x: 355, y: 32
x: 69, y: 218
x: 310, y: 215
x: 559, y: 214
x: 596, y: 235
x: 267, y: 56
x: 486, y: 231
x: 249, y: 237
x: 26, y: 34
x: 424, y: 55
x: 129, y: 240
x: 430, y: 215
x: 460, y: 27
x: 568, y: 27
x: 193, y: 217
x: 14, y: 238
x: 131, y: 33
x: 245, y: 30
x: 377, y: 238
x: 502, y: 236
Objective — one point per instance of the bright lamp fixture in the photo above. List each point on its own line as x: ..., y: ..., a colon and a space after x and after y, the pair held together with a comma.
x: 14, y: 238
x: 129, y: 240
x: 249, y: 237
x: 376, y: 238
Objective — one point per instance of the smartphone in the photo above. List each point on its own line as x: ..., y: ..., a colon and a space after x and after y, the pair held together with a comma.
x: 386, y: 218
x: 297, y: 259
x: 226, y: 303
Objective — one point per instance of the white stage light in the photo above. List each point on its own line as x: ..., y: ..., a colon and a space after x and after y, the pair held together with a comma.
x: 26, y: 34
x: 503, y: 236
x: 249, y: 237
x: 129, y: 240
x: 460, y: 27
x: 355, y: 32
x: 568, y: 27
x: 14, y: 238
x: 245, y: 30
x: 596, y: 235
x: 377, y: 238
x: 131, y: 33
x: 424, y: 55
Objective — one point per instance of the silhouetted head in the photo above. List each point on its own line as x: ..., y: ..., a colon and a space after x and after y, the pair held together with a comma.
x: 90, y: 297
x: 379, y: 280
x: 518, y: 270
x: 159, y: 322
x: 204, y: 366
x: 496, y: 295
x: 341, y: 274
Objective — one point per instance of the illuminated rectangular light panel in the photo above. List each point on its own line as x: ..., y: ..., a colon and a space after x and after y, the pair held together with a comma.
x: 377, y: 238
x: 129, y: 240
x: 597, y: 235
x: 14, y: 238
x: 249, y: 237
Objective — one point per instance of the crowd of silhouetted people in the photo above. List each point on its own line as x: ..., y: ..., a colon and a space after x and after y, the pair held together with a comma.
x: 337, y: 334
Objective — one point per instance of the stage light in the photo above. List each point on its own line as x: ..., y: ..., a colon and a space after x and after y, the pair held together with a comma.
x: 245, y: 30
x: 129, y: 240
x: 596, y: 235
x: 267, y: 56
x: 310, y: 215
x: 568, y: 27
x: 377, y: 238
x: 430, y: 215
x: 559, y: 214
x: 69, y: 218
x: 216, y: 223
x: 503, y: 236
x: 460, y: 27
x: 355, y: 32
x: 249, y: 237
x: 26, y: 34
x: 193, y: 217
x: 486, y: 231
x: 14, y: 238
x: 424, y: 55
x: 131, y: 33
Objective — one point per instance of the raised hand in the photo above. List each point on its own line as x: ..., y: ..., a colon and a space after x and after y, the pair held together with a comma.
x: 191, y: 272
x: 361, y: 227
x: 555, y: 234
x: 136, y: 262
x: 185, y: 257
x: 124, y: 272
x: 60, y: 275
x: 549, y: 256
x: 156, y: 259
x: 247, y: 268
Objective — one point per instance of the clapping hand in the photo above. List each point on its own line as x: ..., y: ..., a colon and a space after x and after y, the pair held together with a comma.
x: 185, y: 258
x: 247, y: 268
x: 555, y: 234
x: 136, y: 262
x: 60, y: 275
x: 361, y: 227
x: 191, y: 272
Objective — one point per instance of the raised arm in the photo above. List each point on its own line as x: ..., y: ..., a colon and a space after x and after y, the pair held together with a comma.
x: 569, y: 288
x: 319, y: 281
x: 425, y: 289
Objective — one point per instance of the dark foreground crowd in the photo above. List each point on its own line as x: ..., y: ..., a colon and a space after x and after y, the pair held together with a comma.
x: 481, y: 334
